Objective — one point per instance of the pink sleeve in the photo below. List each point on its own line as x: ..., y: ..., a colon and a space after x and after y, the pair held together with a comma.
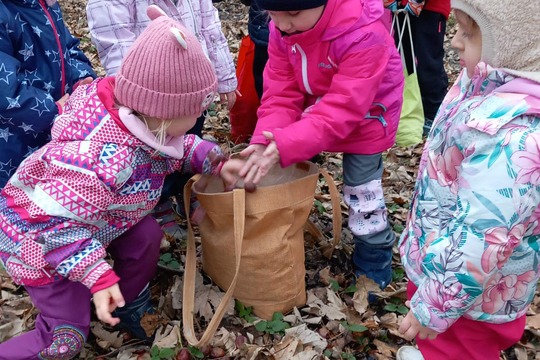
x: 106, y: 280
x: 283, y: 101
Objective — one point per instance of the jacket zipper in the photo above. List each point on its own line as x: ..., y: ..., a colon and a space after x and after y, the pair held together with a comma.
x: 60, y: 52
x: 197, y: 32
x: 303, y: 56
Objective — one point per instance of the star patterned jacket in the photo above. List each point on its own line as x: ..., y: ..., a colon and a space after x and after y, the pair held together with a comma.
x: 88, y: 185
x: 39, y: 62
x: 472, y: 240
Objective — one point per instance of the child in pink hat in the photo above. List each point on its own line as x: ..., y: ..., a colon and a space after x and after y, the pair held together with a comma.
x: 89, y: 191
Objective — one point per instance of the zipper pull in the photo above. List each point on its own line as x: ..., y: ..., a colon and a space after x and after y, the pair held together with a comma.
x: 293, y: 49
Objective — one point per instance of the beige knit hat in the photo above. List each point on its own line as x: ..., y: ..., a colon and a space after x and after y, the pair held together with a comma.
x: 510, y: 33
x: 165, y: 73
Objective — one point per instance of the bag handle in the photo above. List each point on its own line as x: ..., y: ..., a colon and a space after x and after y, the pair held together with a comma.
x: 401, y: 31
x: 336, y: 215
x: 188, y: 297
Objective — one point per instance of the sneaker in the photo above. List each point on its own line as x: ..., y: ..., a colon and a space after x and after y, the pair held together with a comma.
x: 167, y: 218
x: 409, y: 353
x: 131, y: 315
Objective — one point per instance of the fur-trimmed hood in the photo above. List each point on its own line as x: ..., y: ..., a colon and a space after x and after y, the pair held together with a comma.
x: 510, y: 34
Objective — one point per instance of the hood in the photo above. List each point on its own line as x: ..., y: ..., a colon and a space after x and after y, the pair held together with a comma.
x: 510, y: 34
x: 337, y: 18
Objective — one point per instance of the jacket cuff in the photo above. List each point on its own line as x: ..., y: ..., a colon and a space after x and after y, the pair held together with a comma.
x: 106, y: 280
x: 227, y: 86
x: 259, y: 139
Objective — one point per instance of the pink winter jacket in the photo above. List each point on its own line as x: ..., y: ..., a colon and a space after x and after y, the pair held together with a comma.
x: 336, y: 87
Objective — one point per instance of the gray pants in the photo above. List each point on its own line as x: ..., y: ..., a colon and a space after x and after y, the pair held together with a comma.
x: 374, y: 239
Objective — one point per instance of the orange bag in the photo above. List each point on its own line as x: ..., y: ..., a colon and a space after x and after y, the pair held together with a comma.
x: 243, y: 115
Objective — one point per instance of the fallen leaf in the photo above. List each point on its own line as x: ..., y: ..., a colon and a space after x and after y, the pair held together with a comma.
x: 364, y: 286
x: 168, y: 338
x: 106, y: 338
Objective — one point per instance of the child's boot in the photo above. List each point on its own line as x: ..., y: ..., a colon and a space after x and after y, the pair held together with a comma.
x: 131, y: 314
x: 373, y: 261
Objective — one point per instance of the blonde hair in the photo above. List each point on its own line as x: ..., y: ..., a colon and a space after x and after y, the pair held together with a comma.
x: 160, y: 132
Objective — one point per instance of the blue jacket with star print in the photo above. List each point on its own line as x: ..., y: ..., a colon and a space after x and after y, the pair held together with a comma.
x: 39, y: 62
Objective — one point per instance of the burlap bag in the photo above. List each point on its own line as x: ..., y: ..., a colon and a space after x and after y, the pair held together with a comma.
x: 252, y: 243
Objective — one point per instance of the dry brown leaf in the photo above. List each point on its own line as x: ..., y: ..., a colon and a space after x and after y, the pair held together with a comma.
x: 364, y: 286
x: 384, y: 348
x: 533, y: 322
x: 169, y: 337
x: 106, y: 338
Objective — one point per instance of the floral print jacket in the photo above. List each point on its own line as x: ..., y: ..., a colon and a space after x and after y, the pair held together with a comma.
x: 471, y: 243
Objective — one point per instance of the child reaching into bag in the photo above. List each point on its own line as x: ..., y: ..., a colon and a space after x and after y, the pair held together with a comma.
x: 89, y: 191
x: 333, y: 82
x: 470, y: 247
x: 115, y: 24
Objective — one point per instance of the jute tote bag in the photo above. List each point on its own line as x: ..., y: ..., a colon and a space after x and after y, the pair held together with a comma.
x: 253, y: 243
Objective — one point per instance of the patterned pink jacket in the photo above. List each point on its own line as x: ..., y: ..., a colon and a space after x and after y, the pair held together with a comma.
x: 92, y: 182
x: 115, y: 24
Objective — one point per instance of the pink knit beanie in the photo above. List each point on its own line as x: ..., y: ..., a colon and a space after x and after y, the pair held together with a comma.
x: 165, y: 73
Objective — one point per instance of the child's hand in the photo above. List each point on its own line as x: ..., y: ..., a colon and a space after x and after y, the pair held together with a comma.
x: 230, y: 174
x: 229, y: 98
x: 62, y: 101
x: 410, y: 328
x: 106, y: 301
x: 260, y: 160
x: 85, y: 81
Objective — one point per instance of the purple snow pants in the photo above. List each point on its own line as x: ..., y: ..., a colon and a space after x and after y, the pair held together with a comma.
x: 64, y: 320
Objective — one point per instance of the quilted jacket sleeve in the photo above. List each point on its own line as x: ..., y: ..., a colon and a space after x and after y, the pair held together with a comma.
x: 111, y: 24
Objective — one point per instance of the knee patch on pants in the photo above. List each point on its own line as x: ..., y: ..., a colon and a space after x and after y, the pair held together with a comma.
x: 367, y: 210
x: 67, y: 342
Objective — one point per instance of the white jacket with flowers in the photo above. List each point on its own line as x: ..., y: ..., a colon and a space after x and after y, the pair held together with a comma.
x: 472, y: 240
x: 115, y: 24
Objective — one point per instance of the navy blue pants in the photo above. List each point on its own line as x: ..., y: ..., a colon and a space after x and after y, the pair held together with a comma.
x: 428, y: 37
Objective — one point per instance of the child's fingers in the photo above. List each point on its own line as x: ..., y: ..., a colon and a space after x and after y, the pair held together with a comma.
x: 107, y: 318
x: 405, y: 325
x: 103, y: 312
x: 117, y: 297
x: 410, y: 334
x: 249, y: 164
x: 247, y: 151
x: 231, y: 100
